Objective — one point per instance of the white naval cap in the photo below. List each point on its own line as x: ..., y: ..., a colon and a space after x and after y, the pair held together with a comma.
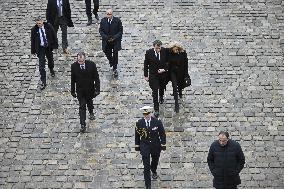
x: 146, y: 109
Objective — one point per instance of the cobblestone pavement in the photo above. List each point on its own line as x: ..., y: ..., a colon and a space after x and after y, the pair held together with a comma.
x: 235, y: 50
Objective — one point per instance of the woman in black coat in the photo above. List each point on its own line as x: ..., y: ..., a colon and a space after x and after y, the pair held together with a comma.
x: 178, y: 70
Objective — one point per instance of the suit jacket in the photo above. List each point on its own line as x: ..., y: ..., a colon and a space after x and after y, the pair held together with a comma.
x: 50, y: 37
x: 115, y: 30
x: 155, y: 137
x: 52, y: 13
x: 151, y: 66
x: 86, y: 81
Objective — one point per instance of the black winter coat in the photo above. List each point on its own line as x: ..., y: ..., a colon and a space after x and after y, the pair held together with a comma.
x: 50, y: 37
x: 51, y: 12
x: 114, y: 30
x: 85, y: 82
x: 151, y: 66
x: 225, y: 163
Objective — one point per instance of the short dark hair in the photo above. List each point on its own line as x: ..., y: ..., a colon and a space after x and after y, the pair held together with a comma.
x: 157, y: 42
x: 224, y: 133
x: 81, y: 54
x: 39, y: 18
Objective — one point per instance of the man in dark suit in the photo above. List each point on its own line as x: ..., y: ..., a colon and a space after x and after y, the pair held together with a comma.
x: 111, y: 31
x: 150, y: 139
x: 58, y: 13
x: 43, y: 41
x: 85, y: 81
x: 225, y: 160
x: 155, y: 71
x: 95, y: 10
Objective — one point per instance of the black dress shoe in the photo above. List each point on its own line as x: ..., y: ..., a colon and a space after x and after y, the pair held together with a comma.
x: 52, y: 73
x: 83, y: 128
x: 155, y: 176
x: 177, y: 109
x: 42, y: 86
x: 115, y: 73
x: 89, y: 22
x: 92, y: 116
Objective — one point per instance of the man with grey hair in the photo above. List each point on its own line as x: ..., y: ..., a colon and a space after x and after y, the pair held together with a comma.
x: 155, y: 72
x: 43, y: 41
x: 225, y: 160
x: 111, y: 31
x: 85, y: 85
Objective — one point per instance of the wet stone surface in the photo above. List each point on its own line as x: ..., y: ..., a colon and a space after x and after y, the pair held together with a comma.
x: 235, y: 51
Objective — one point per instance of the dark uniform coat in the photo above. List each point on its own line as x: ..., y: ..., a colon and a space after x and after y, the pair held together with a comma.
x: 86, y: 81
x: 225, y: 164
x: 150, y: 139
x: 51, y: 12
x: 114, y: 30
x: 50, y: 36
x: 151, y: 66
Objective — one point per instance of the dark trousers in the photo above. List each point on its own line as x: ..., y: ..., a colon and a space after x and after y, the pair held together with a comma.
x: 177, y: 88
x: 231, y: 187
x: 150, y: 167
x: 42, y: 53
x: 112, y: 56
x: 61, y: 21
x: 83, y: 101
x: 155, y: 94
x: 88, y: 8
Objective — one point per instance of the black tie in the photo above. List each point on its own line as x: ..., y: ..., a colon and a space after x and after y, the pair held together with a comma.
x: 43, y: 37
x: 148, y: 124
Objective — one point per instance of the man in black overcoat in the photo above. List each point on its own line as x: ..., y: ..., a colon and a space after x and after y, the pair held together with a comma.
x: 111, y: 31
x: 85, y: 85
x: 155, y: 71
x: 225, y: 160
x: 150, y: 139
x: 95, y: 10
x: 43, y: 41
x: 58, y: 13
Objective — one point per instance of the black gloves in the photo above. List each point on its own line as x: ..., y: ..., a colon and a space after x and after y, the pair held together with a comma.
x: 73, y: 94
x: 163, y: 147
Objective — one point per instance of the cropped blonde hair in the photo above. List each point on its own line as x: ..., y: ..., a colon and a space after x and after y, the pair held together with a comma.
x: 174, y: 44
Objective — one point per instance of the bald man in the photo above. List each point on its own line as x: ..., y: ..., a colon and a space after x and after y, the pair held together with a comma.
x: 111, y: 31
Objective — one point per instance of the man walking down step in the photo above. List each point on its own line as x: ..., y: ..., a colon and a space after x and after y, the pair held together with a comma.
x: 155, y: 72
x: 150, y: 139
x: 43, y: 41
x: 95, y: 10
x: 85, y: 85
x: 225, y: 160
x: 58, y: 13
x: 111, y: 31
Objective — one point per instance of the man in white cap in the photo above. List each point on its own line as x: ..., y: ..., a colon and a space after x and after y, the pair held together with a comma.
x: 150, y: 139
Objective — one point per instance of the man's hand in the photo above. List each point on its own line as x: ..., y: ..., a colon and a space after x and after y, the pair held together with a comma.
x: 147, y: 78
x: 73, y: 94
